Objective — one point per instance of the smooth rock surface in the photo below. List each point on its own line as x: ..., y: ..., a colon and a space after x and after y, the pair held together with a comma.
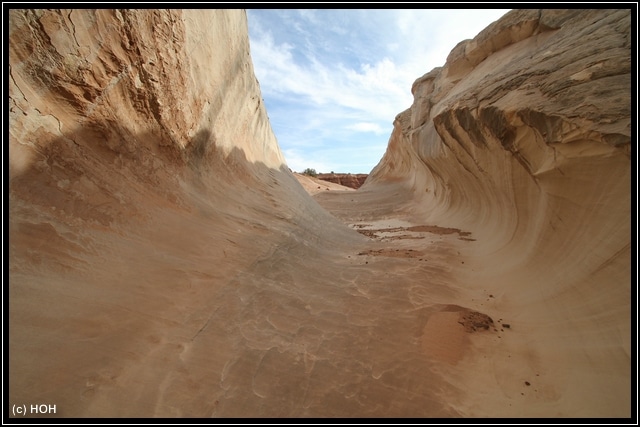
x: 523, y: 138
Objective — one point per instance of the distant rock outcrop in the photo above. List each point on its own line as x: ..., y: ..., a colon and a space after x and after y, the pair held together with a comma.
x: 346, y: 179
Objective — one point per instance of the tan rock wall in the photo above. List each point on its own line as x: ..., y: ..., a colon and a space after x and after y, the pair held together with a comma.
x: 144, y: 79
x: 524, y: 137
x: 544, y: 93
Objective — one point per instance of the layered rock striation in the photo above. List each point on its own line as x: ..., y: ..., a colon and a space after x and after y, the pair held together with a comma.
x: 144, y: 179
x: 524, y: 138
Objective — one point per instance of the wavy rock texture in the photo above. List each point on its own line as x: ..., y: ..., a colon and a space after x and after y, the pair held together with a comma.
x: 524, y: 138
x: 146, y: 185
x: 164, y: 262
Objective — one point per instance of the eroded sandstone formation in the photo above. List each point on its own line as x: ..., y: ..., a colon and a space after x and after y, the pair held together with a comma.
x: 164, y: 262
x: 144, y: 180
x: 524, y: 138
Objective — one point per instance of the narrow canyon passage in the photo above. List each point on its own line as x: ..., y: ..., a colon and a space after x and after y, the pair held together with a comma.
x: 341, y: 324
x: 202, y: 311
x: 165, y: 262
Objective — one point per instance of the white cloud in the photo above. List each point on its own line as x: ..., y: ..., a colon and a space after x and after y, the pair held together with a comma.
x: 367, y: 127
x: 329, y: 77
x: 373, y: 89
x: 299, y: 161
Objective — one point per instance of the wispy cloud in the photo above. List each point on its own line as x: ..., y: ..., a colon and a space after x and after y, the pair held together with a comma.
x: 366, y: 127
x: 334, y: 79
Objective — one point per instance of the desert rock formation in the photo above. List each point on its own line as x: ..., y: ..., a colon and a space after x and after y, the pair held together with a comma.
x: 315, y: 185
x: 164, y: 261
x: 354, y: 180
x: 523, y: 138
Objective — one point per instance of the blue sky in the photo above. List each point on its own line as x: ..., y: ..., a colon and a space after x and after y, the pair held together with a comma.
x: 334, y: 80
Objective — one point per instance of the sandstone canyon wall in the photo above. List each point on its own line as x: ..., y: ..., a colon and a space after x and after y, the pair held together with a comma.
x: 164, y: 262
x: 144, y: 177
x: 524, y: 138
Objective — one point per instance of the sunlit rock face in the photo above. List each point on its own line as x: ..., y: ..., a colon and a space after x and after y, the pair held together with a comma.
x: 145, y: 178
x: 523, y: 137
x: 164, y: 262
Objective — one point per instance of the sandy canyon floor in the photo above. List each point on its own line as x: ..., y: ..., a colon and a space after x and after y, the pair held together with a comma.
x: 457, y: 341
x: 209, y: 311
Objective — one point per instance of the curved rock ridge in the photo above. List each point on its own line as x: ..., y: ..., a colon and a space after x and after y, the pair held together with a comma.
x: 148, y: 201
x: 524, y: 138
